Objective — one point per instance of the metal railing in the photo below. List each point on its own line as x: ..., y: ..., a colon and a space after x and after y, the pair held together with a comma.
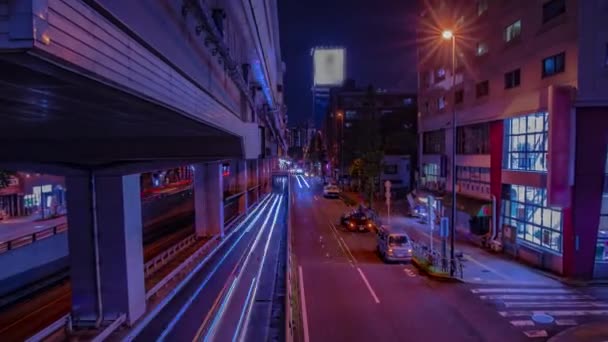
x: 167, y: 255
x: 30, y: 238
x: 433, y: 261
x: 53, y: 327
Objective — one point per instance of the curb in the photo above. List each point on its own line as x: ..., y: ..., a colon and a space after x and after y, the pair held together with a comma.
x: 434, y: 275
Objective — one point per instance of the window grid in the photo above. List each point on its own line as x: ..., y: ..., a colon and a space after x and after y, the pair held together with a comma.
x: 513, y: 31
x: 554, y: 65
x: 473, y: 179
x: 525, y: 208
x: 473, y: 139
x: 433, y: 142
x: 512, y: 79
x: 526, y: 142
x: 430, y: 172
x: 482, y: 89
x: 553, y: 9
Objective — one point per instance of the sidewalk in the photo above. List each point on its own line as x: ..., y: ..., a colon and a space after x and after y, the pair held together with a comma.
x: 591, y: 332
x: 16, y: 228
x: 480, y: 266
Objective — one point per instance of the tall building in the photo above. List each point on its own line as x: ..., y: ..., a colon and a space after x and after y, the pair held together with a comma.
x: 394, y: 111
x: 531, y: 107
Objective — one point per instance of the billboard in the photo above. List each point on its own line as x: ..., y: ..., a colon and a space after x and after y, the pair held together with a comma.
x: 329, y: 66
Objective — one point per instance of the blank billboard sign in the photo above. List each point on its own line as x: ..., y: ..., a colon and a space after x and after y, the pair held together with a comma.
x: 329, y: 66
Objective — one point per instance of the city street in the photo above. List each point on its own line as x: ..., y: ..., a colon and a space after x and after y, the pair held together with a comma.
x: 351, y: 295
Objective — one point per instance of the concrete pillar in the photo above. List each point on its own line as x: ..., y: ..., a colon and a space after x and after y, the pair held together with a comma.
x: 242, y: 180
x: 209, y: 199
x: 106, y: 249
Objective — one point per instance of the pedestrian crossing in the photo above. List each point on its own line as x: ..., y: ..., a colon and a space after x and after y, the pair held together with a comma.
x: 541, y: 311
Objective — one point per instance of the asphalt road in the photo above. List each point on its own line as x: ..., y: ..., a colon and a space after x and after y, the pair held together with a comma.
x: 351, y: 295
x: 220, y: 301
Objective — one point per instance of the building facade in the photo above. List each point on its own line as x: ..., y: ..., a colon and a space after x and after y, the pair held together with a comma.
x: 532, y: 123
x: 394, y: 116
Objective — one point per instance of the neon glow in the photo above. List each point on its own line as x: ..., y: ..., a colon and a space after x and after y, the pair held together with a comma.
x: 298, y: 179
x: 226, y: 299
x: 191, y: 299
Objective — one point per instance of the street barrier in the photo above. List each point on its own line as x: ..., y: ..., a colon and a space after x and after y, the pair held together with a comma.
x: 163, y: 258
x: 436, y: 265
x: 25, y: 240
x: 53, y: 327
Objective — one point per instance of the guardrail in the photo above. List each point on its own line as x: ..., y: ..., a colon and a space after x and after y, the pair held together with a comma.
x: 53, y: 327
x: 163, y: 258
x: 25, y: 240
x: 437, y: 264
x: 292, y: 305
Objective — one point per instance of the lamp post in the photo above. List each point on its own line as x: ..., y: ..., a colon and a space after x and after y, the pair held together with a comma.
x: 449, y: 35
x: 341, y: 140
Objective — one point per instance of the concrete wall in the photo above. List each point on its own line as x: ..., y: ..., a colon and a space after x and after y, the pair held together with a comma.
x: 33, y: 262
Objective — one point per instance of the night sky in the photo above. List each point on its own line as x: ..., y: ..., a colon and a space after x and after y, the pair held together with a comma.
x: 378, y: 35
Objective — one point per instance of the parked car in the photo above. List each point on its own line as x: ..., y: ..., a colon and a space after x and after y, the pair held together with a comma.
x: 357, y: 221
x: 331, y: 191
x: 394, y: 244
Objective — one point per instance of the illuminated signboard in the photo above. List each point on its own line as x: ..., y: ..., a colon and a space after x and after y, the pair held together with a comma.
x: 329, y: 66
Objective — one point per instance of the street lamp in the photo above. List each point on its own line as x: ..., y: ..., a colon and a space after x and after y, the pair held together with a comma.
x: 341, y: 119
x: 449, y: 35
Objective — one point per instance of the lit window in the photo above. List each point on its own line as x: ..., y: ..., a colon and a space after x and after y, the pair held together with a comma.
x: 554, y: 64
x: 512, y: 31
x: 482, y: 49
x: 553, y: 9
x: 482, y: 6
x: 441, y: 102
x: 512, y: 79
x: 440, y: 75
x: 526, y: 142
x: 525, y: 208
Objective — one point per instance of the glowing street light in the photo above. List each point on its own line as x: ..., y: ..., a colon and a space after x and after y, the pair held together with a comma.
x: 447, y: 34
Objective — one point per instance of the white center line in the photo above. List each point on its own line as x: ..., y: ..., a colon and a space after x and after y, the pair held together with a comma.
x: 303, y: 303
x: 369, y: 287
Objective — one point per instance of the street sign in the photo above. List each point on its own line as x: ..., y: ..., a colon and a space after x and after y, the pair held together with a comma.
x: 444, y: 227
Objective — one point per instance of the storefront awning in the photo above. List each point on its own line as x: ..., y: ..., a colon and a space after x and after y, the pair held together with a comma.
x: 472, y: 206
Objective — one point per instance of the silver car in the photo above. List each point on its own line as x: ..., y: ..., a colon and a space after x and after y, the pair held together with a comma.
x: 394, y: 244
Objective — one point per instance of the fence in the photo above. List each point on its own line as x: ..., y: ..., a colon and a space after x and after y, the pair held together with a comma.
x: 25, y: 240
x: 433, y: 262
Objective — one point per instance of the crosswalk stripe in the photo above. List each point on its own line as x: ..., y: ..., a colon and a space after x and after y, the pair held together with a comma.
x: 572, y: 313
x: 565, y: 322
x: 523, y: 323
x: 536, y: 333
x: 534, y: 297
x: 554, y: 304
x: 522, y: 290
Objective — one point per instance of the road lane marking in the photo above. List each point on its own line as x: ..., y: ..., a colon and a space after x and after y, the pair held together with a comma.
x: 535, y: 297
x: 344, y: 248
x: 554, y: 304
x: 343, y: 242
x: 369, y: 287
x: 409, y: 272
x: 523, y: 323
x: 259, y: 274
x: 554, y: 313
x: 196, y: 293
x: 522, y: 290
x: 299, y: 183
x: 152, y: 315
x: 303, y: 303
x: 305, y: 182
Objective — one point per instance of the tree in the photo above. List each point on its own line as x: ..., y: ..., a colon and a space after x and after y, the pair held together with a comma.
x: 5, y: 178
x: 368, y: 147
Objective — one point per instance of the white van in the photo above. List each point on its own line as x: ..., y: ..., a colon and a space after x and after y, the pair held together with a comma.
x: 394, y: 244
